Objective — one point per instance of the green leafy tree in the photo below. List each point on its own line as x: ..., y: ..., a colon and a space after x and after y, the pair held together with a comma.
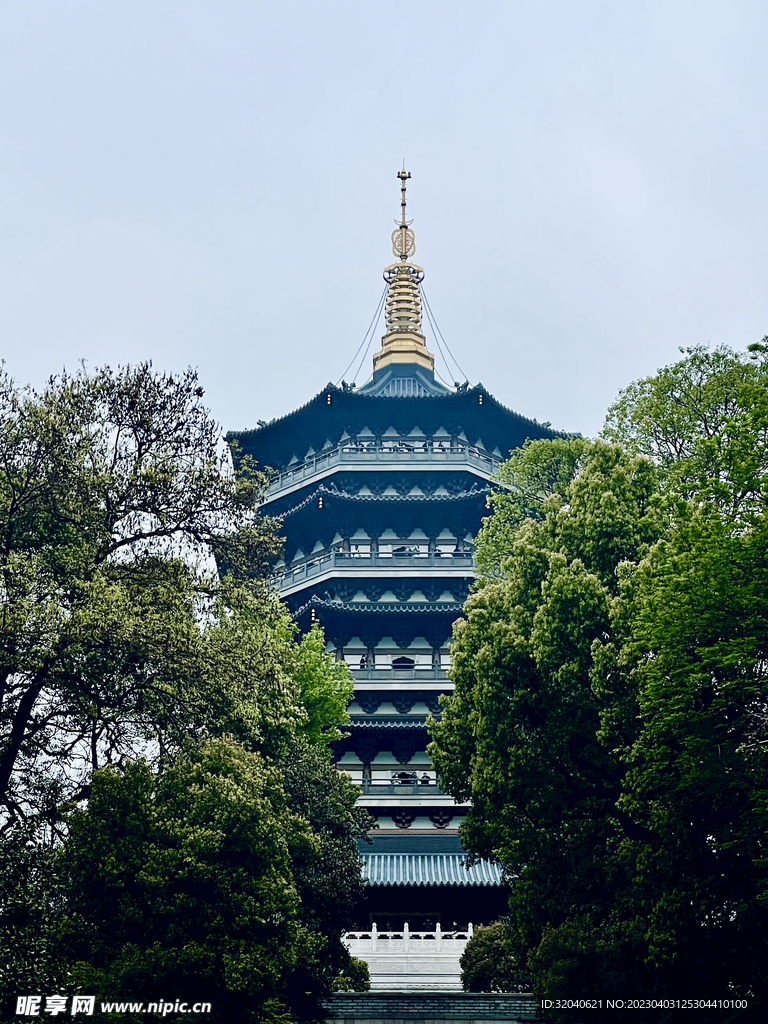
x: 326, y: 873
x: 138, y: 624
x: 609, y: 716
x: 356, y: 977
x: 115, y: 490
x: 325, y: 688
x: 488, y: 963
x: 182, y: 883
x: 224, y: 878
x: 541, y: 711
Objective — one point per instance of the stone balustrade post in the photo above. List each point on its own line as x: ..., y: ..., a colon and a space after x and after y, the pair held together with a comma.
x: 406, y: 938
x: 374, y: 938
x: 438, y: 937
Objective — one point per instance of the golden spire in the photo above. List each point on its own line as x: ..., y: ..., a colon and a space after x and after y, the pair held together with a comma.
x: 403, y: 239
x: 403, y: 342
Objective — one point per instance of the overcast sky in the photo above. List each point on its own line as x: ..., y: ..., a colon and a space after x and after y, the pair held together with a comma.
x: 213, y: 184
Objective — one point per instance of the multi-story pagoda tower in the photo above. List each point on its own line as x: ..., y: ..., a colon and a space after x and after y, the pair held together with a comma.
x: 381, y: 490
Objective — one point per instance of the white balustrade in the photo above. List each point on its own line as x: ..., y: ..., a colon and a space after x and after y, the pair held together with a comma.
x: 409, y: 959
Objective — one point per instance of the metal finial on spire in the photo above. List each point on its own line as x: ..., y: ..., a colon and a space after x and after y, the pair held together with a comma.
x: 403, y: 343
x: 403, y: 238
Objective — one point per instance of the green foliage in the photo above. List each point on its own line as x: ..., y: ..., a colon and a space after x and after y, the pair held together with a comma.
x: 139, y: 633
x: 609, y: 716
x: 356, y: 977
x: 488, y: 963
x: 182, y: 883
x: 223, y: 878
x: 114, y: 492
x: 530, y: 476
x: 29, y: 898
x: 704, y: 423
x: 326, y: 873
x: 325, y: 688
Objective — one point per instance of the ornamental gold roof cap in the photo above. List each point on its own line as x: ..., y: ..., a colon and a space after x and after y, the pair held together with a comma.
x: 404, y: 341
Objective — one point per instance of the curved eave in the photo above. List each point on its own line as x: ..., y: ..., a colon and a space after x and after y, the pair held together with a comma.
x: 274, y: 444
x: 373, y: 723
x: 335, y: 496
x: 346, y: 616
x: 382, y: 607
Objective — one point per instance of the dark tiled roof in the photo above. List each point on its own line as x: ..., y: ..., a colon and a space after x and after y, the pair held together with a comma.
x: 427, y: 869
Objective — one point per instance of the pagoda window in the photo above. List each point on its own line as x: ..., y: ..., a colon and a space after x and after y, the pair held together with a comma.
x: 355, y: 653
x: 352, y: 766
x: 446, y: 543
x: 387, y: 540
x: 421, y: 653
x: 386, y: 649
x: 445, y: 659
x: 360, y: 544
x: 403, y: 662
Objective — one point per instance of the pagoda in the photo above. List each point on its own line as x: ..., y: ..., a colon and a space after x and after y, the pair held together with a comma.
x: 381, y: 491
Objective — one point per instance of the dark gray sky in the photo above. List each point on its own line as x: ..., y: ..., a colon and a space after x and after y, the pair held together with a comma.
x: 213, y: 183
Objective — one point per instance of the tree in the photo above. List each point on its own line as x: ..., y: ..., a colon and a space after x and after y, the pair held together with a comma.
x: 182, y: 883
x: 608, y: 720
x: 114, y: 491
x: 326, y: 874
x: 140, y: 632
x: 223, y: 878
x: 488, y: 963
x: 540, y: 713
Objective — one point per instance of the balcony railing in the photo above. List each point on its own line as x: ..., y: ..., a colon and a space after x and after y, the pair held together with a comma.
x: 346, y: 560
x: 371, y: 940
x: 385, y: 673
x: 432, y: 453
x: 400, y: 789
